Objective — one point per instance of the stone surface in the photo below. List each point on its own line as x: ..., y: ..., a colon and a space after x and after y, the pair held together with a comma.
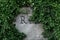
x: 33, y: 31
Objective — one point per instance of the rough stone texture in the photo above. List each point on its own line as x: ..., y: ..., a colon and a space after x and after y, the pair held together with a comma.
x: 33, y: 31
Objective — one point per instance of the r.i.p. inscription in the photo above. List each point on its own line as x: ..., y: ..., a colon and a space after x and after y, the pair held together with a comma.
x: 32, y: 30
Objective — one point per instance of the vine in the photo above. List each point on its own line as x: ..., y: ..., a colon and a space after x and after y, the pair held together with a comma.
x: 44, y: 11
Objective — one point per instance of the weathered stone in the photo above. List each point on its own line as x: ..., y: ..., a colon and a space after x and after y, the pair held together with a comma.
x: 33, y: 31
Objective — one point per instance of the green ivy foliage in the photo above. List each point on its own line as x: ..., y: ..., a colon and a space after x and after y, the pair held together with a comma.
x: 48, y: 13
x: 44, y: 11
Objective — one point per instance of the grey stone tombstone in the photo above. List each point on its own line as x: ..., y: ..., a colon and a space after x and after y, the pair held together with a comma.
x: 32, y: 30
